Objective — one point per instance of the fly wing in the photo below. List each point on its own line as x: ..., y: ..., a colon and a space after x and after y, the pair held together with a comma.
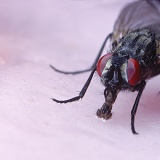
x: 138, y: 14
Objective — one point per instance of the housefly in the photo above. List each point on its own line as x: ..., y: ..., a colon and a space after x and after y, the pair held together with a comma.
x: 133, y: 59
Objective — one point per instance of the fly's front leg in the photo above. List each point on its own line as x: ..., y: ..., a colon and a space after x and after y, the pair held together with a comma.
x: 110, y: 97
x: 94, y: 63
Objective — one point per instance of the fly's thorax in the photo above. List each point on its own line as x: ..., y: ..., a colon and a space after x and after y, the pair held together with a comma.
x: 137, y: 44
x: 142, y: 45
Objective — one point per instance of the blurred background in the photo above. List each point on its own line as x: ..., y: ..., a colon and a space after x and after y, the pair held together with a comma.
x: 68, y: 35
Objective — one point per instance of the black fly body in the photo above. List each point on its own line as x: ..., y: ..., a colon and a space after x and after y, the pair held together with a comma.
x: 133, y: 59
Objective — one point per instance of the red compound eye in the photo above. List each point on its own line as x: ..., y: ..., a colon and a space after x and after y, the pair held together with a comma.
x: 133, y: 72
x: 102, y: 62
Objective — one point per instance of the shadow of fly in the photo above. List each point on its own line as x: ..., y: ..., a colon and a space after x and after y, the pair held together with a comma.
x: 133, y: 59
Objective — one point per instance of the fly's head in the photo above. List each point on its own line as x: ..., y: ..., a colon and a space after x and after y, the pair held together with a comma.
x: 118, y: 72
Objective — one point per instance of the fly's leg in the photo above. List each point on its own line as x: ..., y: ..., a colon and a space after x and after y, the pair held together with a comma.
x: 93, y: 65
x: 67, y: 72
x: 82, y: 92
x: 141, y: 87
x: 110, y: 97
